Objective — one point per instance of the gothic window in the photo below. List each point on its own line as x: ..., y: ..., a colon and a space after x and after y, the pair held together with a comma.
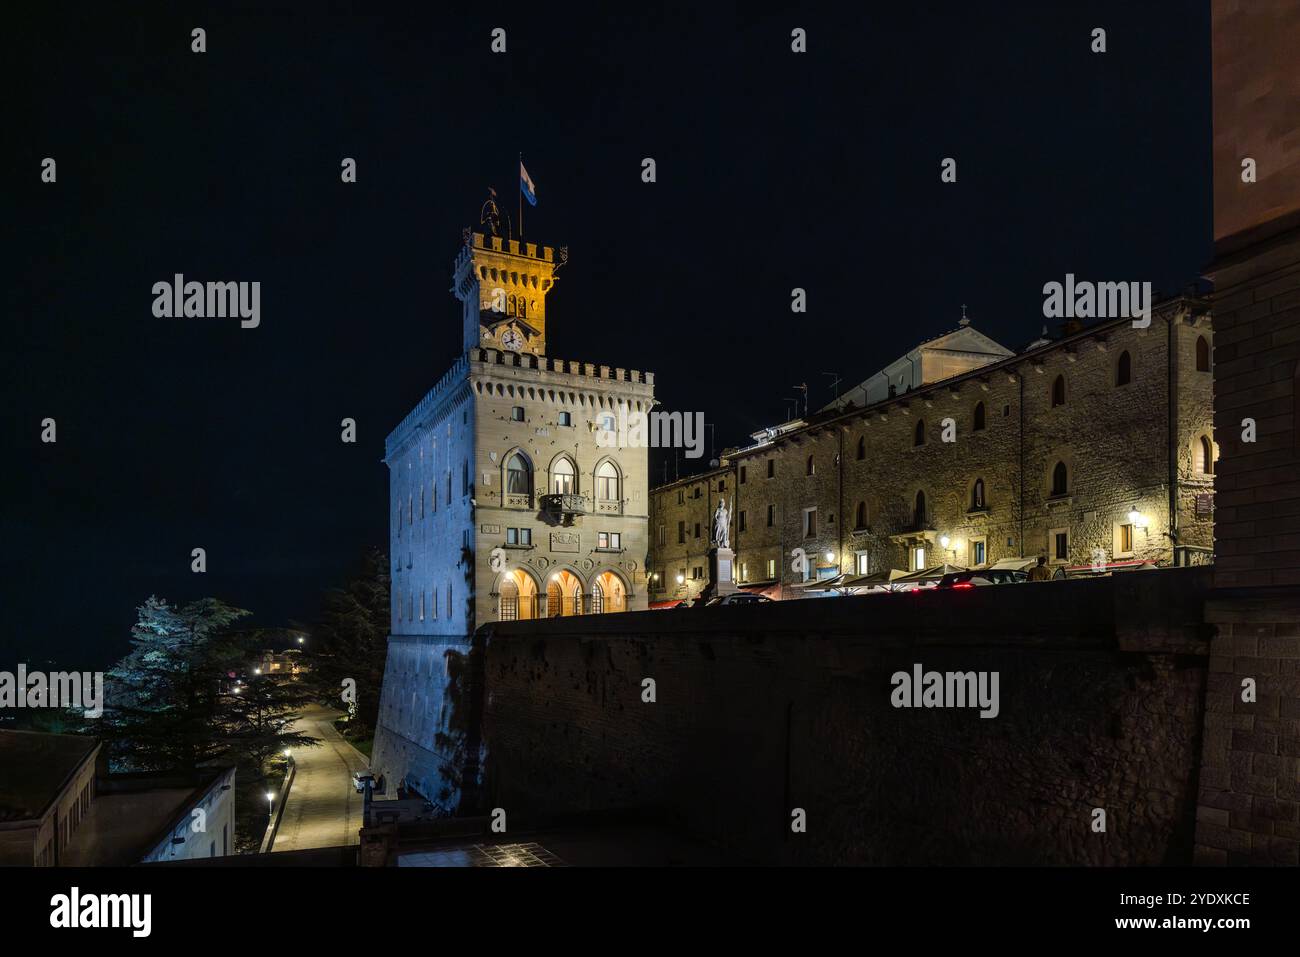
x: 1124, y: 371
x: 861, y: 516
x: 918, y: 511
x: 977, y: 494
x: 563, y: 478
x: 1202, y: 354
x: 1204, y: 456
x: 607, y: 482
x: 862, y: 447
x: 523, y: 308
x: 517, y: 475
x: 1060, y: 479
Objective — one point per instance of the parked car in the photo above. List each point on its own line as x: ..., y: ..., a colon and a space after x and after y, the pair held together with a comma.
x: 986, y: 576
x: 739, y: 598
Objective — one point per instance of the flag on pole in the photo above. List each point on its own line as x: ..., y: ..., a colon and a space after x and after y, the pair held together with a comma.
x: 526, y: 185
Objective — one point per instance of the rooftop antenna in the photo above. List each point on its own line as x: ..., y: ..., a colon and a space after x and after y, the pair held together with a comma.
x: 788, y: 414
x: 835, y: 383
x: 801, y: 387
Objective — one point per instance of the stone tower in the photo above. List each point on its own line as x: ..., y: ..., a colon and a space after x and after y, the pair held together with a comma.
x: 502, y: 285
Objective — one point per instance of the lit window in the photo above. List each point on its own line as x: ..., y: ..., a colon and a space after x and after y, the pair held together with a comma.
x: 563, y: 477
x: 1204, y: 456
x: 771, y: 568
x: 1126, y: 538
x: 607, y: 482
x: 517, y: 475
x: 862, y: 564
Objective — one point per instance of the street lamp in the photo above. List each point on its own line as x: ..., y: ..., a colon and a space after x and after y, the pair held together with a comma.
x: 944, y: 541
x: 301, y: 639
x: 270, y: 803
x: 257, y: 671
x: 830, y: 556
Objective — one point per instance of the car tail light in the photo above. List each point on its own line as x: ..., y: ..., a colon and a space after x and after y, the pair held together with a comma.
x: 963, y: 585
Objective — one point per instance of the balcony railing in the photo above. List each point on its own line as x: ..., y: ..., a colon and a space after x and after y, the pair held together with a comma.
x: 565, y: 503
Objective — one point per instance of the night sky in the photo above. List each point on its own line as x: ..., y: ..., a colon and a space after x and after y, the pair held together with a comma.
x: 775, y: 170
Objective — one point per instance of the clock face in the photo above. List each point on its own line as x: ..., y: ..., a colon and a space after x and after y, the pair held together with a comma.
x: 512, y: 340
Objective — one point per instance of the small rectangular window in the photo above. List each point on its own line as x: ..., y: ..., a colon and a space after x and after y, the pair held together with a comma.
x: 681, y: 533
x: 740, y: 522
x: 771, y: 516
x: 697, y: 529
x: 1126, y: 538
x: 681, y: 496
x: 566, y: 418
x: 861, y: 564
x: 602, y: 540
x: 771, y: 467
x: 525, y: 536
x: 809, y: 522
x: 512, y: 536
x: 771, y: 568
x: 517, y: 413
x: 1062, y: 546
x: 742, y: 475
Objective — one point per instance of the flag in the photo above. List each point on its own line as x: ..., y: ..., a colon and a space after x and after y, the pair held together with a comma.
x: 526, y: 185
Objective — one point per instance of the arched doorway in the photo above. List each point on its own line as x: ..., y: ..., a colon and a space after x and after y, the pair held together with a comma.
x: 563, y: 594
x: 608, y: 594
x: 518, y: 601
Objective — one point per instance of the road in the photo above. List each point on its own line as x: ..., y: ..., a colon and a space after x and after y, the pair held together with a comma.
x: 323, y: 809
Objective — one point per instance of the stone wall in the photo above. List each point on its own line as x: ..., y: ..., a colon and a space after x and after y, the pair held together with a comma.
x: 761, y: 710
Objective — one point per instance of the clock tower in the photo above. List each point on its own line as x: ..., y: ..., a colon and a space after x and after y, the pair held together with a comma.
x: 502, y: 285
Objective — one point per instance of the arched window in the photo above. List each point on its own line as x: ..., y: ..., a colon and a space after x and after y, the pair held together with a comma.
x: 979, y: 417
x: 563, y: 478
x: 510, y: 306
x: 523, y: 308
x: 1058, y: 391
x: 607, y: 482
x: 918, y: 437
x: 1060, y: 479
x: 977, y: 494
x: 1124, y: 371
x: 1205, y: 455
x: 861, y: 518
x: 862, y: 447
x: 918, y: 511
x: 517, y: 475
x: 1202, y: 354
x: 812, y: 466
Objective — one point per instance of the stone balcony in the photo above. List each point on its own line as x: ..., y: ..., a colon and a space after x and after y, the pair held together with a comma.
x: 567, y: 504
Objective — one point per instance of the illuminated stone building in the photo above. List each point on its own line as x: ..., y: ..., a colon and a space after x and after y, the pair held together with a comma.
x: 1096, y: 443
x: 506, y: 503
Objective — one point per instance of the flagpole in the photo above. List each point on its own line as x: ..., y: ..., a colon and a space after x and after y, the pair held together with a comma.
x: 521, y: 195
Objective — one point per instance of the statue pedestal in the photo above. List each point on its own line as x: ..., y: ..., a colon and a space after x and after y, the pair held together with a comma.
x: 722, y: 574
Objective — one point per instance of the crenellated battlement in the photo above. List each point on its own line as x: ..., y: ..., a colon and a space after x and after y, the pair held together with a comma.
x: 507, y: 247
x: 562, y: 366
x: 447, y: 387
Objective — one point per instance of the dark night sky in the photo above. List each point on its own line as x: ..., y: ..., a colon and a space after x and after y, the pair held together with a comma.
x: 775, y: 171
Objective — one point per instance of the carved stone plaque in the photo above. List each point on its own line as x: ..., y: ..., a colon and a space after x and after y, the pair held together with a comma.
x: 565, y: 542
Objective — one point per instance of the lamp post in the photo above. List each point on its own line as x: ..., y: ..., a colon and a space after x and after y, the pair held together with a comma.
x: 270, y: 803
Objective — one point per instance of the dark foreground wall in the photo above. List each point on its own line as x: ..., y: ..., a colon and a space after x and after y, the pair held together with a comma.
x: 765, y: 709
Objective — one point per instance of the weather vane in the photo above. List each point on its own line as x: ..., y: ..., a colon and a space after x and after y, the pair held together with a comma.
x: 490, y: 216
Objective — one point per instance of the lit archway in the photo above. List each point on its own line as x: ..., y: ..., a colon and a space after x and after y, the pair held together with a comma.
x: 518, y: 597
x: 563, y: 594
x: 608, y: 594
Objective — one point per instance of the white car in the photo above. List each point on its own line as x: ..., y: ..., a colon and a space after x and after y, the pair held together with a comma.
x: 361, y: 778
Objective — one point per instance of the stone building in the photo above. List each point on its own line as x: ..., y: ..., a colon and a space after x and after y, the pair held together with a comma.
x: 1100, y: 439
x: 510, y: 500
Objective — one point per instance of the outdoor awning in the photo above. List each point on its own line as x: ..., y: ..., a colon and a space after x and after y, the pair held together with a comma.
x: 930, y: 574
x: 878, y: 578
x: 822, y: 584
x: 1021, y: 564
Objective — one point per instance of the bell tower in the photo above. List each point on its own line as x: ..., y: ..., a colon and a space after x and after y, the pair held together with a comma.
x: 502, y: 285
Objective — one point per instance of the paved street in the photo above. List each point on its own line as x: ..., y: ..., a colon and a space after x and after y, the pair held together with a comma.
x: 323, y: 810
